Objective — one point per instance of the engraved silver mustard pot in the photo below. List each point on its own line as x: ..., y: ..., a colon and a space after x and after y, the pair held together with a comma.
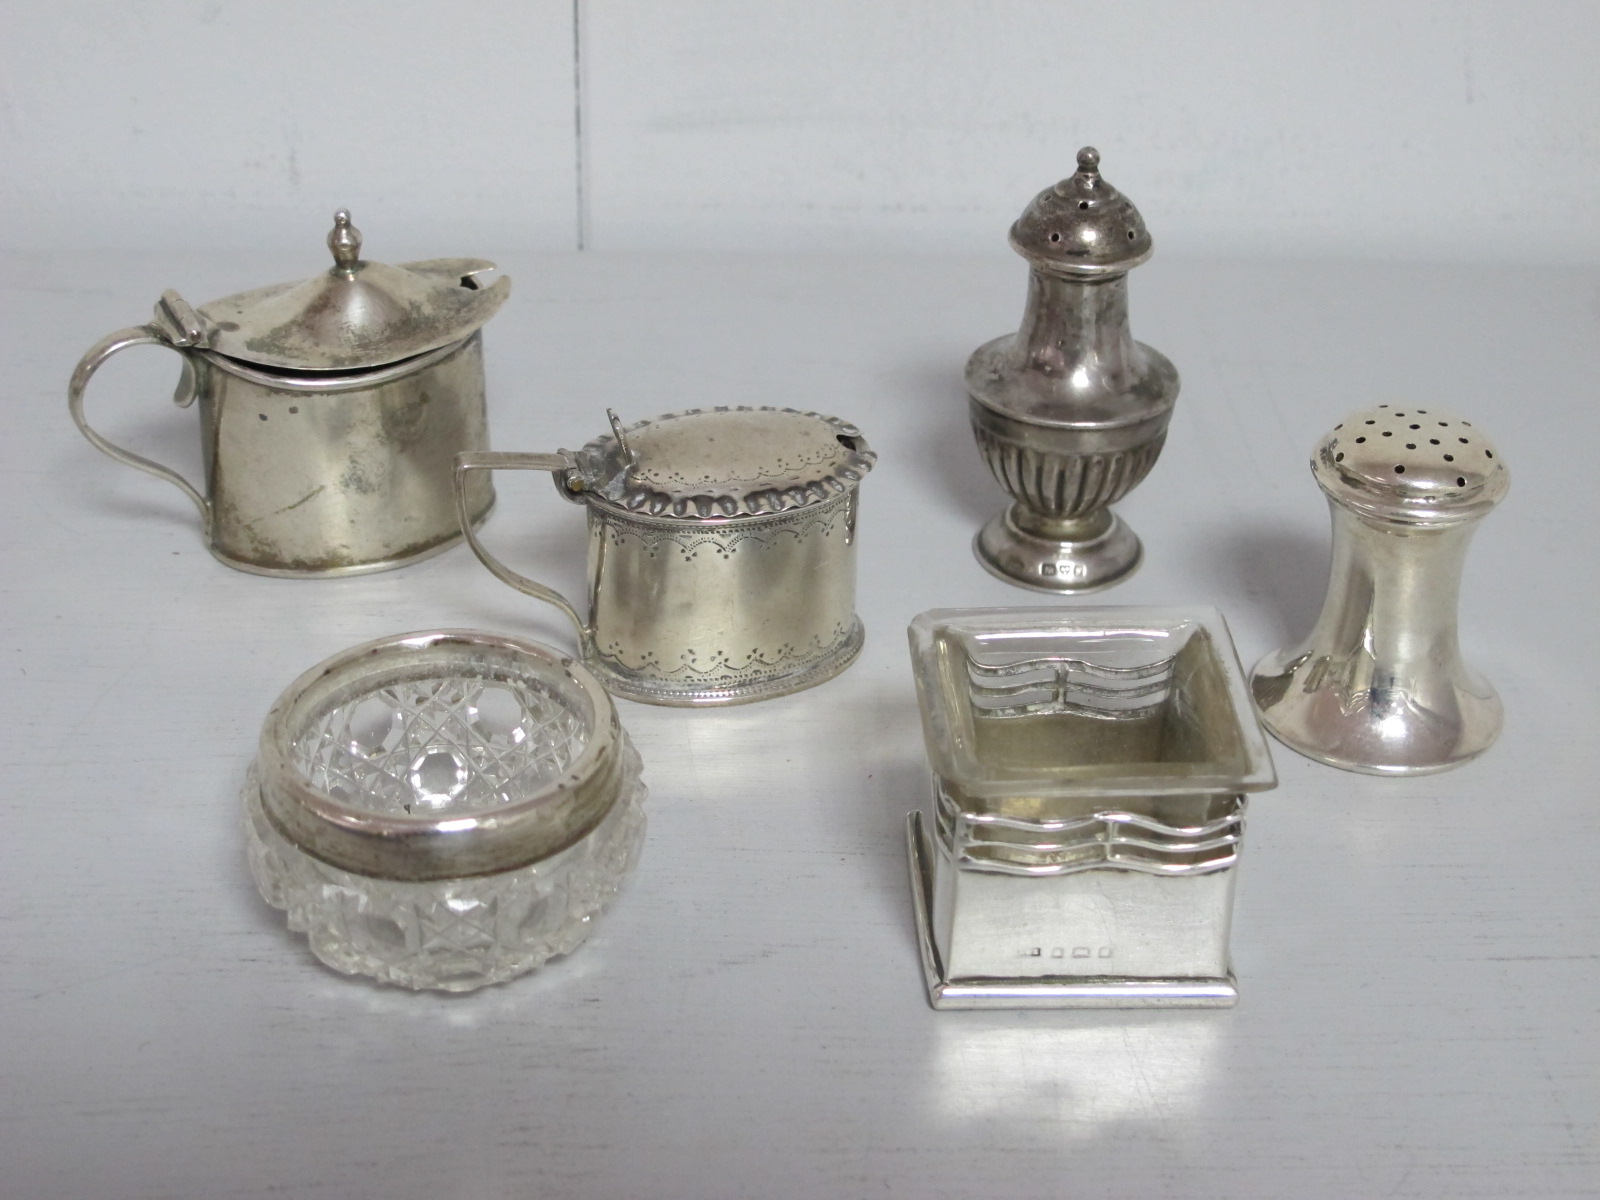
x: 722, y: 551
x: 1070, y: 412
x: 331, y: 410
x: 1379, y: 685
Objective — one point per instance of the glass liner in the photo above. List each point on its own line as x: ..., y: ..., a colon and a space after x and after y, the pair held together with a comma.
x: 1032, y: 712
x: 1089, y: 769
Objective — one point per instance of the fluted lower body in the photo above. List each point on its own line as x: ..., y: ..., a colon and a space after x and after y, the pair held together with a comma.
x: 1064, y: 485
x: 1060, y: 535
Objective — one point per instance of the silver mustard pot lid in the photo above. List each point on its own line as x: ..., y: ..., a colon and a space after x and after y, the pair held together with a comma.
x: 355, y: 315
x: 723, y: 462
x: 1082, y: 226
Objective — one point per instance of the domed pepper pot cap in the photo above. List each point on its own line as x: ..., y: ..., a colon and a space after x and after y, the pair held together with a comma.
x: 1082, y: 226
x: 1411, y: 466
x: 357, y: 314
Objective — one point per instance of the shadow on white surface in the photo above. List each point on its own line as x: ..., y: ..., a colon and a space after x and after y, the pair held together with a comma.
x: 947, y: 459
x: 1271, y: 577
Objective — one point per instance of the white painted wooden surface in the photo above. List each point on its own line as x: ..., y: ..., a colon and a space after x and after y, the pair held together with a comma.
x: 1417, y: 959
x: 1434, y: 129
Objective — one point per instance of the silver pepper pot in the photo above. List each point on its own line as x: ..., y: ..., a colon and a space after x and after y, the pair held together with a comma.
x: 1379, y: 685
x: 1070, y: 412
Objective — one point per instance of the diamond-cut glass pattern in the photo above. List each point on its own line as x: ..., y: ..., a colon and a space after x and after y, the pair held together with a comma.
x: 458, y: 744
x: 451, y: 934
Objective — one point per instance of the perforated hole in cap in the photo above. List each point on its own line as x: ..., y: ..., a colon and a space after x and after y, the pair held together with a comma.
x: 1390, y: 456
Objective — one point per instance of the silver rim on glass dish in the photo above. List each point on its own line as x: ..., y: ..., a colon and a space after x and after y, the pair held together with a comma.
x: 444, y: 809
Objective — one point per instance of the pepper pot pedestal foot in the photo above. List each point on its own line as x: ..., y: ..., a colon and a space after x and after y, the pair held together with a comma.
x: 1076, y: 555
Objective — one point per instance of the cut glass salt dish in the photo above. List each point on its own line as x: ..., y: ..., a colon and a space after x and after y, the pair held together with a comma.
x: 443, y: 810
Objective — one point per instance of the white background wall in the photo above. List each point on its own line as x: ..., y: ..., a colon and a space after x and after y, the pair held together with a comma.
x: 1417, y: 129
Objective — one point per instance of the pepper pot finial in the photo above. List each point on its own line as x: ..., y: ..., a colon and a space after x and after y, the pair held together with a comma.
x: 344, y: 239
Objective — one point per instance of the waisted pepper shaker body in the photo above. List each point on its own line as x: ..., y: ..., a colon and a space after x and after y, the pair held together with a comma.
x: 1379, y: 685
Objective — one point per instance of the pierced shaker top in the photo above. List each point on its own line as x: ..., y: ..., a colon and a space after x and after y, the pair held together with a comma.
x: 1409, y: 465
x: 1082, y: 226
x: 355, y: 315
x: 724, y: 462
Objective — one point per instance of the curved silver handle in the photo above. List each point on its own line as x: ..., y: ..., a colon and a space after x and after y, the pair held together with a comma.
x: 497, y: 460
x: 138, y: 335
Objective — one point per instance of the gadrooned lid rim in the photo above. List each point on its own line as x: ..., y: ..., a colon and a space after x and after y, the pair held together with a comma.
x: 724, y: 499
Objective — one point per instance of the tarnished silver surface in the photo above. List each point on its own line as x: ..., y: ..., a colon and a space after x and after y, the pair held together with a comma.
x: 1070, y: 412
x: 1088, y: 773
x: 722, y: 560
x: 356, y: 314
x: 526, y: 810
x: 330, y: 411
x: 1379, y: 684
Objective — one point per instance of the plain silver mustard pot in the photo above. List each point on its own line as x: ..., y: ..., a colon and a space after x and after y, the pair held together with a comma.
x: 331, y: 410
x: 722, y: 548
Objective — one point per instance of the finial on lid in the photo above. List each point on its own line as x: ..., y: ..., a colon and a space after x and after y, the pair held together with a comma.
x: 1083, y: 226
x: 344, y: 240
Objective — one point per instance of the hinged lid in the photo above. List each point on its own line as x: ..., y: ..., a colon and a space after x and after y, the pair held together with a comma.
x: 1082, y: 226
x: 724, y: 462
x: 355, y: 315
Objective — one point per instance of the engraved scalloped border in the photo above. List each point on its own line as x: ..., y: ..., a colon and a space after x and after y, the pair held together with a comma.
x: 727, y: 538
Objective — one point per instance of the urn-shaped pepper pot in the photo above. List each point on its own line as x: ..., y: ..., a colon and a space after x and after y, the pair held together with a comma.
x: 1070, y: 412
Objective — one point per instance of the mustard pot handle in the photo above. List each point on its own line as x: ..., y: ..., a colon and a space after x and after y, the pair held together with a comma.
x: 497, y: 460
x: 176, y: 327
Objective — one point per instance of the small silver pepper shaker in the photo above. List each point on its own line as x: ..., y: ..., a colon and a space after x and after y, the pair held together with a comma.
x: 1070, y: 412
x: 1379, y: 685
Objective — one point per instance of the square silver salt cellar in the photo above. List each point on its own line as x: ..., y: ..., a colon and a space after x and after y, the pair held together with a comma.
x: 1089, y: 773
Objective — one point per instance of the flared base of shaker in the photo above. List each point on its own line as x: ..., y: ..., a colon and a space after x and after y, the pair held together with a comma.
x: 1306, y: 705
x: 1093, y: 552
